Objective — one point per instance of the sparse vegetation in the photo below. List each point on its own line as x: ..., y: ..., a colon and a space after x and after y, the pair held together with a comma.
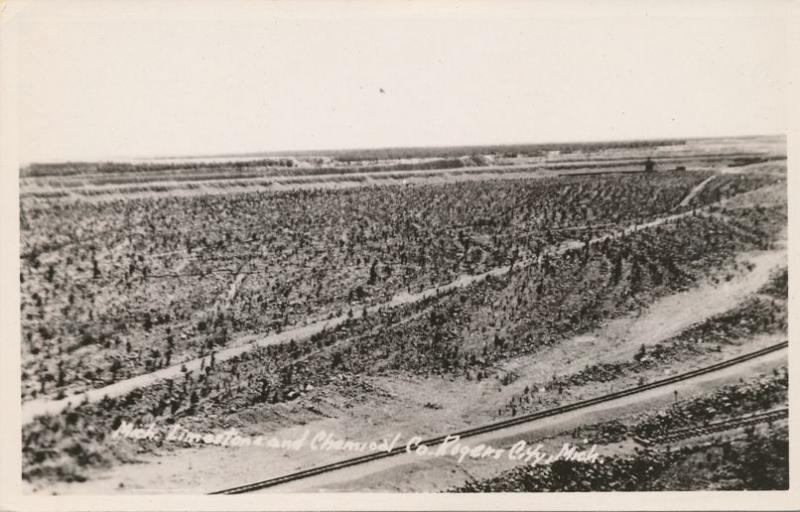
x: 129, y: 285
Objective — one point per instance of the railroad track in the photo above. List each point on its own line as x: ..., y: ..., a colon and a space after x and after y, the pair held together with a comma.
x: 719, y: 426
x: 299, y: 475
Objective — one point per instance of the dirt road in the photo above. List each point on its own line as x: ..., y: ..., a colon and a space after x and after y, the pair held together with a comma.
x: 696, y: 190
x: 412, y: 472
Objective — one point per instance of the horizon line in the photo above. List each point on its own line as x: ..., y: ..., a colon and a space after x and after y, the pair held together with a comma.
x: 324, y: 151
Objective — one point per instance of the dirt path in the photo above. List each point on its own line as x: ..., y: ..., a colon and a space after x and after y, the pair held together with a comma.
x: 235, y: 286
x: 414, y: 473
x: 620, y: 338
x: 696, y: 190
x: 675, y: 313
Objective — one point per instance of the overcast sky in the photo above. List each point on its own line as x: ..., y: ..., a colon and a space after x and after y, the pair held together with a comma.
x: 118, y: 79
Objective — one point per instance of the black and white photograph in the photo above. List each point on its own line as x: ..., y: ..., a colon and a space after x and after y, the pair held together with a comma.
x: 348, y: 250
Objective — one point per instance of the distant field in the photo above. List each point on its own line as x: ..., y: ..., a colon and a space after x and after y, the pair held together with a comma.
x: 97, y: 181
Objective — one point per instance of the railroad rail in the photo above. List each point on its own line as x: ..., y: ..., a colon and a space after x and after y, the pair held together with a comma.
x: 719, y: 426
x: 511, y: 422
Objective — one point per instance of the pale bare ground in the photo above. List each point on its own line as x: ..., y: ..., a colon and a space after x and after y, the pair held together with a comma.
x: 415, y: 473
x: 203, y: 470
x: 774, y: 167
x: 453, y: 404
x: 679, y: 311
